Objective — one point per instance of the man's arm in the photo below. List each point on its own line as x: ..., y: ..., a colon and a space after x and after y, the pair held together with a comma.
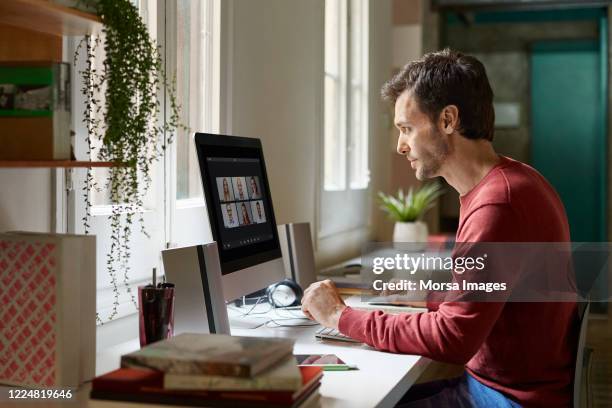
x: 452, y: 333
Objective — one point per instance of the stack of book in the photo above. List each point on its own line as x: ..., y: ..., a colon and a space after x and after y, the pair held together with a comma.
x: 213, y: 370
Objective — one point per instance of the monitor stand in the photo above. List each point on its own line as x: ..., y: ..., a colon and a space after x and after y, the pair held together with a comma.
x: 199, y: 306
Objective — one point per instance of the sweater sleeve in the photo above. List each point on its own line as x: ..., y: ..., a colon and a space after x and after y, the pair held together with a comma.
x: 451, y: 331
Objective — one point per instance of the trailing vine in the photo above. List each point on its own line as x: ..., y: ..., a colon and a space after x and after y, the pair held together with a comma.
x: 121, y: 115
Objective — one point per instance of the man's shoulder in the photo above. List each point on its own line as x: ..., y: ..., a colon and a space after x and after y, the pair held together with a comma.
x: 513, y: 195
x: 507, y: 183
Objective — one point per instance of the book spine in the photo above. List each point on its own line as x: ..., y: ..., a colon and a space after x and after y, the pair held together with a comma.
x: 218, y: 383
x: 222, y: 401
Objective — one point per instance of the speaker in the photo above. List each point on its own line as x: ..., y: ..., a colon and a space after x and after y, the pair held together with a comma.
x: 298, y: 253
x: 199, y: 305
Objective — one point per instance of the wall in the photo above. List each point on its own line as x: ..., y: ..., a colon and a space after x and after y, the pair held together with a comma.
x: 25, y: 201
x: 276, y: 94
x: 381, y: 117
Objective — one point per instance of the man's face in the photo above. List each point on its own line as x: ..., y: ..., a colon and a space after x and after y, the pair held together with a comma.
x: 420, y: 140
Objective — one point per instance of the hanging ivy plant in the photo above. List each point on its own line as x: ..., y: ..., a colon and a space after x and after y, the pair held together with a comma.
x: 122, y: 112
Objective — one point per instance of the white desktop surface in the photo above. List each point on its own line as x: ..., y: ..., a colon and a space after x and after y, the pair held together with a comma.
x: 380, y: 381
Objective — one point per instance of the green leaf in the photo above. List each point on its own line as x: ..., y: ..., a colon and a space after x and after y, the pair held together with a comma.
x: 412, y: 206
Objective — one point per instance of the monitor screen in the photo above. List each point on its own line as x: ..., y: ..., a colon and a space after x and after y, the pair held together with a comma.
x: 238, y: 200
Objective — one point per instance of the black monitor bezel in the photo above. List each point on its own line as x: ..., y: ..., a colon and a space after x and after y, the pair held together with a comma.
x: 231, y: 260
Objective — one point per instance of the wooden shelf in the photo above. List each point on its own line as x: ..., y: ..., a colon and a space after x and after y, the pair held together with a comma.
x: 53, y: 163
x: 49, y: 18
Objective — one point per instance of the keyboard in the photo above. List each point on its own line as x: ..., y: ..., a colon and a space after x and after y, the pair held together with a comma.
x: 333, y: 334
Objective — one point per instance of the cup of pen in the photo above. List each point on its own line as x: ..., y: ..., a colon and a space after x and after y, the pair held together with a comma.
x: 156, y: 312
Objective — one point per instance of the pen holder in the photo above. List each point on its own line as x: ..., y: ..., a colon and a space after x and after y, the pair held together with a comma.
x: 156, y: 313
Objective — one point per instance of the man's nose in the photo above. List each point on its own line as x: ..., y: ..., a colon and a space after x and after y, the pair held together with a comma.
x: 402, y: 147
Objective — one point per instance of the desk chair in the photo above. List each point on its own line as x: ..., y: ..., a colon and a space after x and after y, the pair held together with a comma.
x: 583, y: 361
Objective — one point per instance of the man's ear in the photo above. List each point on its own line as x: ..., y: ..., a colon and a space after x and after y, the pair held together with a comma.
x: 449, y: 119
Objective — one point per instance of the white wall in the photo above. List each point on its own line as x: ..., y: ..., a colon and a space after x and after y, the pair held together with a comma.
x: 276, y: 94
x: 276, y: 83
x: 381, y: 115
x: 25, y: 200
x: 407, y: 40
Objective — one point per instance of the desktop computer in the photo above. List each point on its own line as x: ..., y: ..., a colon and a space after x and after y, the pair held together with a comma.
x: 246, y: 255
x: 240, y: 211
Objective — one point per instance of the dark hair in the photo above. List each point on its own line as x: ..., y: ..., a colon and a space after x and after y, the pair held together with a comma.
x: 445, y: 78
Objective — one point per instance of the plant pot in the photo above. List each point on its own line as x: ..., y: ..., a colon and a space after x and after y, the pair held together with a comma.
x: 414, y: 232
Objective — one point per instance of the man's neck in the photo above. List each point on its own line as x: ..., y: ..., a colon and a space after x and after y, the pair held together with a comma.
x: 469, y: 162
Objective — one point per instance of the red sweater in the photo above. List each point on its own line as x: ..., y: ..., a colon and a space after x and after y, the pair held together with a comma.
x: 524, y: 350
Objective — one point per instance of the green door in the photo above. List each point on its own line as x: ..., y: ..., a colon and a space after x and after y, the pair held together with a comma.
x: 568, y: 138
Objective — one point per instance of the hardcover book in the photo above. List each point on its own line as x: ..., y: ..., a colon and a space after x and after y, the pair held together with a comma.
x: 285, y: 376
x: 47, y: 313
x: 211, y: 354
x: 138, y: 385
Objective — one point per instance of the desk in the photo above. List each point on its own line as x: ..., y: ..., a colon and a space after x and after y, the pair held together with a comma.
x: 381, y: 380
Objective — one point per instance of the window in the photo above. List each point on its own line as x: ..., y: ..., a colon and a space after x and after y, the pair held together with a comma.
x: 346, y: 96
x: 173, y: 210
x: 345, y: 167
x: 192, y: 39
x: 194, y: 80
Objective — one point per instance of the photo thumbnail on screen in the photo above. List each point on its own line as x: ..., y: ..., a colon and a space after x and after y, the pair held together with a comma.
x: 240, y: 188
x: 244, y: 214
x: 257, y: 209
x: 224, y: 187
x: 230, y: 215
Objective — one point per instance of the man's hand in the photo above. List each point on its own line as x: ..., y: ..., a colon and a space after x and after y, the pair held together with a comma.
x: 322, y: 303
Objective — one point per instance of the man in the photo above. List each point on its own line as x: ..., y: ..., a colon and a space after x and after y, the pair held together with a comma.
x: 231, y: 222
x: 260, y: 217
x: 515, y: 354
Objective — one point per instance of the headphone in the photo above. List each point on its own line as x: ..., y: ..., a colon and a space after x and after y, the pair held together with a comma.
x: 285, y: 293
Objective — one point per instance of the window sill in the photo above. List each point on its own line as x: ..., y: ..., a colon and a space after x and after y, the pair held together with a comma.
x: 186, y: 203
x: 102, y: 210
x: 109, y: 358
x: 126, y: 307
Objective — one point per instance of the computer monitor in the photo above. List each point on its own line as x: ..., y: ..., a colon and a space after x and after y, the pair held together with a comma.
x: 240, y: 212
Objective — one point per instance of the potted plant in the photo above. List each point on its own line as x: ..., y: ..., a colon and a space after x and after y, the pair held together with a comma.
x: 124, y: 96
x: 407, y: 210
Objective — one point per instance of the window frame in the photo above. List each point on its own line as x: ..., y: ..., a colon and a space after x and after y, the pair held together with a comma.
x: 70, y: 206
x: 356, y: 215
